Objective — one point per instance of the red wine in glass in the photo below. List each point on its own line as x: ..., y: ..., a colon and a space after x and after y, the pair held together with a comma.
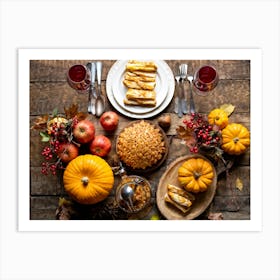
x: 205, y: 79
x: 78, y: 77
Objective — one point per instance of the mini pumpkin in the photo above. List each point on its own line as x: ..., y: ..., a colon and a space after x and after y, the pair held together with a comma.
x: 88, y: 179
x: 235, y: 139
x: 196, y: 175
x: 218, y: 117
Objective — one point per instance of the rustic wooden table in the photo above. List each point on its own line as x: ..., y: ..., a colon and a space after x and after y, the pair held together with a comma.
x: 49, y: 89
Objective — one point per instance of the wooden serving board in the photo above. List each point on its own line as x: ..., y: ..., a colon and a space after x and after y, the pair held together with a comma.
x: 202, y: 200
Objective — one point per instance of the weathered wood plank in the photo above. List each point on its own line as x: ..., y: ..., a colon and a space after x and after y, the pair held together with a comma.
x: 44, y: 97
x: 227, y: 69
x: 43, y: 207
x: 241, y: 173
x: 55, y: 70
x: 44, y: 185
x: 231, y: 204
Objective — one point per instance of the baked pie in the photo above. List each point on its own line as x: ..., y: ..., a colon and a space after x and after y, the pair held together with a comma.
x: 141, y: 145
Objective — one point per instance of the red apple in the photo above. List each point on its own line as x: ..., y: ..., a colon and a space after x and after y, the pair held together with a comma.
x: 67, y: 151
x: 100, y: 146
x: 109, y: 120
x: 84, y: 131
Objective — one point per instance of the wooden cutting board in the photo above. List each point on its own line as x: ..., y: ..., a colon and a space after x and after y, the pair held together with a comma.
x: 202, y: 200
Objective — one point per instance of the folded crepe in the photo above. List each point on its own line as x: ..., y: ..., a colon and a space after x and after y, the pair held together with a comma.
x: 139, y: 84
x: 179, y: 198
x: 146, y: 66
x: 143, y: 103
x: 132, y: 76
x: 139, y: 94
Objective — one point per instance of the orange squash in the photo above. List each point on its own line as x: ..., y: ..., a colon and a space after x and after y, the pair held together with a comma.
x: 218, y: 117
x: 88, y: 179
x: 235, y: 139
x: 196, y: 175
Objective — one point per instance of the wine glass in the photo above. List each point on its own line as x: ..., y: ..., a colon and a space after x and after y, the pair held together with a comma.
x: 78, y: 77
x: 205, y: 79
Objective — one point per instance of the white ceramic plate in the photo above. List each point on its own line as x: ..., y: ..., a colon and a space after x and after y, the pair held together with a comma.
x: 119, y: 89
x: 165, y: 78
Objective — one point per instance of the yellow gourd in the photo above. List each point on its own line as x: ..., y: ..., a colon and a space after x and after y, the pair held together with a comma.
x: 88, y: 179
x: 235, y: 139
x: 195, y: 175
x: 218, y: 117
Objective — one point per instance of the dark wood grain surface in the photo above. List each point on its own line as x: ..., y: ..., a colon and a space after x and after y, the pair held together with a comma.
x: 49, y: 89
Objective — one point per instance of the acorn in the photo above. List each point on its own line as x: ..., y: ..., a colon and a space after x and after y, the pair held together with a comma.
x: 164, y: 121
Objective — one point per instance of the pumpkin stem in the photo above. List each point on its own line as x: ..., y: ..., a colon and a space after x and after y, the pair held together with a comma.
x: 235, y: 140
x: 85, y: 180
x: 196, y: 175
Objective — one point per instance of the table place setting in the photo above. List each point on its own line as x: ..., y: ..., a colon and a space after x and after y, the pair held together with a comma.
x: 147, y: 139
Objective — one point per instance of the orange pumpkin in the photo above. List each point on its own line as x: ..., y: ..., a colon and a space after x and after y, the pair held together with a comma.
x: 196, y: 175
x: 88, y: 179
x: 218, y: 117
x: 235, y: 139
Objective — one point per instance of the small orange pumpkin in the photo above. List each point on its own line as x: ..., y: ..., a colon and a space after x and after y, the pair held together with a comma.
x: 88, y: 179
x: 235, y: 139
x: 196, y: 175
x: 218, y: 117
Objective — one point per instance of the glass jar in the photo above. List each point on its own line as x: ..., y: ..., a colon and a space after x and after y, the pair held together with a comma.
x: 140, y: 196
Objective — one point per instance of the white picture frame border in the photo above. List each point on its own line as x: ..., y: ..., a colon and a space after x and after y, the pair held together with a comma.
x: 255, y: 222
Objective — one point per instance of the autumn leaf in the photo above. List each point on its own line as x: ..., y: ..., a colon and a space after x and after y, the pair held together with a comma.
x: 81, y: 116
x: 228, y: 108
x: 187, y: 135
x: 155, y: 217
x: 64, y: 210
x: 71, y: 111
x: 40, y: 122
x: 215, y: 216
x: 239, y: 184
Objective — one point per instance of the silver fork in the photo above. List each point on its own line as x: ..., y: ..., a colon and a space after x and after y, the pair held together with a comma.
x: 192, y: 106
x: 178, y: 107
x: 183, y: 68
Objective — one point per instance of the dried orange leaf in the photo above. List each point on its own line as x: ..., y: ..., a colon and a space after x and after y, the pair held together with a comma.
x: 71, y: 111
x: 239, y: 184
x: 228, y: 108
x: 81, y: 116
x: 64, y: 210
x: 215, y: 216
x: 186, y: 135
x: 40, y: 122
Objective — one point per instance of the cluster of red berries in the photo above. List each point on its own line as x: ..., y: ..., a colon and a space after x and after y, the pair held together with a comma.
x: 47, y: 153
x: 58, y: 134
x: 48, y: 167
x: 204, y: 133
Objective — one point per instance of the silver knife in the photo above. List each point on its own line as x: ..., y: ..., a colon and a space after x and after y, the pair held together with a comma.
x: 92, y: 90
x: 99, y: 101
